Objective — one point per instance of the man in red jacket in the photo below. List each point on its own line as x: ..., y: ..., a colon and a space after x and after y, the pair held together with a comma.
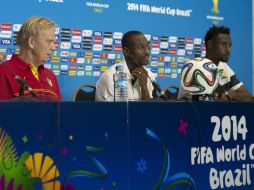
x: 24, y: 74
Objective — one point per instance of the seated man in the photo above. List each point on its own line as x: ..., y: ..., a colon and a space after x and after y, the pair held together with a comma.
x: 139, y: 79
x: 218, y: 45
x: 24, y: 75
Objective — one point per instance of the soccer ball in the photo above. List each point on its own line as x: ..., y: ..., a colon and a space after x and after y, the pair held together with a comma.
x: 200, y: 76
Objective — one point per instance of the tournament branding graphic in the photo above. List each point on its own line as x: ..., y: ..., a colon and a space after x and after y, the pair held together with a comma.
x: 5, y: 26
x: 80, y: 60
x: 107, y: 34
x: 215, y: 9
x: 227, y: 129
x: 215, y: 17
x: 76, y: 39
x: 76, y: 32
x: 5, y: 34
x: 158, y: 9
x: 87, y: 33
x: 5, y: 41
x: 51, y: 1
x: 97, y: 6
x: 107, y: 41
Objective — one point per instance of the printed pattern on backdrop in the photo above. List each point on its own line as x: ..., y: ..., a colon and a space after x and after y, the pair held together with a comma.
x: 88, y: 45
x: 210, y: 150
x: 89, y: 53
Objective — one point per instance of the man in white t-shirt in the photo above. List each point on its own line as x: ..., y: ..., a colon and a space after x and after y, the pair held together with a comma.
x: 218, y: 44
x: 136, y: 52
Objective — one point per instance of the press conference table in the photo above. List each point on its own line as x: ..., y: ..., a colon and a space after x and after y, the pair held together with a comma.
x: 130, y: 146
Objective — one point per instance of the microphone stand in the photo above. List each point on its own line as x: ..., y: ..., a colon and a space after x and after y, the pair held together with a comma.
x: 114, y: 80
x: 219, y: 92
x: 21, y: 91
x: 22, y: 83
x: 155, y: 85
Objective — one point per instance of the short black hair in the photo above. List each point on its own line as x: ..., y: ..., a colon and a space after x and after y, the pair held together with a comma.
x: 215, y: 31
x: 128, y: 38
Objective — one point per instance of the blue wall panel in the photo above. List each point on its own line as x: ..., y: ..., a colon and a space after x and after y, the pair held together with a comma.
x: 187, y: 20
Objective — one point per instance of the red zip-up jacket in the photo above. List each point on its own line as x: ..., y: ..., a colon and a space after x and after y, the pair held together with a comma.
x: 45, y: 88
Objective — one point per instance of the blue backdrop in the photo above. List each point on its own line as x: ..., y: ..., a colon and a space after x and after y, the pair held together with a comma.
x: 89, y: 34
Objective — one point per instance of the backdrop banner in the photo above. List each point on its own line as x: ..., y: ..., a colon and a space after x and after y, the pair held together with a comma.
x: 155, y: 146
x: 89, y: 33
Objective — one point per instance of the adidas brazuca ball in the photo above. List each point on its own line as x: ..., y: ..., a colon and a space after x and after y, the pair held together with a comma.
x: 199, y: 76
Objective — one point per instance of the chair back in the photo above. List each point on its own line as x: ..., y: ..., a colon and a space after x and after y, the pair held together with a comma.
x: 85, y: 92
x: 171, y: 91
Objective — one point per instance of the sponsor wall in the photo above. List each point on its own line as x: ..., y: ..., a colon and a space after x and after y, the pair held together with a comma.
x: 88, y: 39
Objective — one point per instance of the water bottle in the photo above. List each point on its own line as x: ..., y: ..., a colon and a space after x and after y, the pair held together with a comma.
x: 120, y: 84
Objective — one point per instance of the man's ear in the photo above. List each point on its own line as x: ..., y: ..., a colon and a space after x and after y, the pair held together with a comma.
x: 31, y: 42
x: 210, y: 44
x: 126, y: 51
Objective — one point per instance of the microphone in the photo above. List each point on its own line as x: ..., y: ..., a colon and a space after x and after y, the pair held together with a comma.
x: 24, y: 85
x: 220, y: 91
x: 156, y: 86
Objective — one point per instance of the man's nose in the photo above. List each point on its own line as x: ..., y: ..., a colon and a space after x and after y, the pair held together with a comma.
x: 228, y: 49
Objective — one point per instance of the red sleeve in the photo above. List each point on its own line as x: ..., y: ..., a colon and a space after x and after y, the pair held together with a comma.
x: 57, y: 89
x: 56, y: 86
x: 5, y: 88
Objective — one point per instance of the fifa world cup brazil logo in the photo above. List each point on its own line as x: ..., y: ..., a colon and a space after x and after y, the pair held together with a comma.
x: 215, y: 9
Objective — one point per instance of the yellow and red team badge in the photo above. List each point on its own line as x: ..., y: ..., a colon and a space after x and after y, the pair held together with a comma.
x: 49, y: 82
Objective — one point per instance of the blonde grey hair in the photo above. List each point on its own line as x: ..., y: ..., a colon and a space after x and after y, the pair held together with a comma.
x: 32, y: 27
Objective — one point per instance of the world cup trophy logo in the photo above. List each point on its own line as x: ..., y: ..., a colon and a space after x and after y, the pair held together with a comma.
x: 215, y: 9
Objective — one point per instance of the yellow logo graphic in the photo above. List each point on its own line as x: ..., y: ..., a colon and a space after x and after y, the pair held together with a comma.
x: 104, y: 68
x: 88, y: 73
x: 55, y: 53
x: 215, y: 9
x: 98, y: 6
x: 222, y: 74
x: 161, y: 70
x: 72, y: 73
x: 43, y: 167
